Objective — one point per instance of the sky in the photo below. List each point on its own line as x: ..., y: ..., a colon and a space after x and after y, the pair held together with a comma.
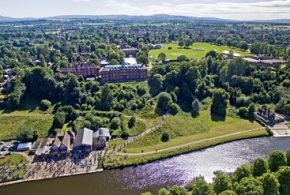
x: 228, y: 9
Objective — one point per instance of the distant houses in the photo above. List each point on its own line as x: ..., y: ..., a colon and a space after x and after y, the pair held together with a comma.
x: 264, y: 61
x: 131, y: 51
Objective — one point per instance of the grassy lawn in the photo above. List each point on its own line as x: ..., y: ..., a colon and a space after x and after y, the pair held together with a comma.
x: 196, y: 51
x: 28, y: 116
x: 183, y: 129
x: 16, y: 165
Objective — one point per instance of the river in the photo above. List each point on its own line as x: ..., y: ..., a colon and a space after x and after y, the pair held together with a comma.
x: 150, y: 177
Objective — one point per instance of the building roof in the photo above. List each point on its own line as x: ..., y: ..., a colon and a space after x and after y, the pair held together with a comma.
x: 102, y: 132
x: 66, y: 140
x: 122, y: 67
x: 267, y: 61
x: 57, y: 142
x: 84, y: 137
x: 24, y: 146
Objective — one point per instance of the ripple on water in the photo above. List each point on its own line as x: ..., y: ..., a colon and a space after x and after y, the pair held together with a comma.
x: 183, y: 168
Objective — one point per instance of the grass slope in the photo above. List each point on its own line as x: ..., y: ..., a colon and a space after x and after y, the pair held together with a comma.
x: 196, y: 51
x: 183, y: 129
x: 200, y: 132
x: 28, y: 116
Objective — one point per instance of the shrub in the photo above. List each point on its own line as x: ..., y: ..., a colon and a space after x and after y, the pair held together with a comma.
x: 165, y: 137
x: 115, y: 123
x: 45, y: 104
x: 173, y: 108
x: 59, y: 119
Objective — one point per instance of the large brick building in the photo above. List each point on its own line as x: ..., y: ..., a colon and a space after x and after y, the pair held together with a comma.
x: 120, y: 73
x: 83, y: 69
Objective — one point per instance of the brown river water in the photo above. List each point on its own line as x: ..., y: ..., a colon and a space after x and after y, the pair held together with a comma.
x: 150, y: 177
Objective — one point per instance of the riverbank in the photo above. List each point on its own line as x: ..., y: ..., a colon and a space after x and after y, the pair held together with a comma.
x: 121, y: 160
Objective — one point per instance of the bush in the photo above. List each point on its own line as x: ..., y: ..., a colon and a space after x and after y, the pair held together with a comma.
x: 173, y: 108
x: 59, y: 119
x: 45, y: 104
x: 165, y: 137
x: 115, y: 123
x: 243, y: 112
x: 131, y: 122
x: 27, y: 135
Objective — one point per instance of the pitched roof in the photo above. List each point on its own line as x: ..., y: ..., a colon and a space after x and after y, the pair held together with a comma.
x: 57, y: 142
x: 66, y: 140
x: 102, y: 132
x: 84, y: 137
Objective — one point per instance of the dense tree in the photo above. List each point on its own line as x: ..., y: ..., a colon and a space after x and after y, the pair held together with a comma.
x: 195, y: 107
x: 164, y: 101
x: 222, y: 182
x: 219, y: 104
x: 260, y: 167
x: 276, y: 160
x: 270, y: 184
x: 59, y: 119
x: 249, y: 185
x: 241, y: 172
x: 284, y: 180
x: 156, y: 84
x: 200, y: 187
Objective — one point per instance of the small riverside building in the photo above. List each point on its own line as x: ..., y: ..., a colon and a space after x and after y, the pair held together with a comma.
x: 101, y: 137
x: 84, y: 142
x: 61, y: 146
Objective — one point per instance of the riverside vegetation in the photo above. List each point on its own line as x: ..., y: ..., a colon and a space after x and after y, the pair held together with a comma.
x: 268, y: 177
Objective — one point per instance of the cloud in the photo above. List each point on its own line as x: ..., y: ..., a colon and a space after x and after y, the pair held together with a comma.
x: 230, y: 9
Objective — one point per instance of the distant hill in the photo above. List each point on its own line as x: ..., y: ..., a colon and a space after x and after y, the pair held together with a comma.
x: 140, y: 19
x: 6, y: 19
x: 152, y: 18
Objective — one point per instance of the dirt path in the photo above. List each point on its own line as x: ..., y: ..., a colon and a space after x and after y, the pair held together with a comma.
x: 185, y: 145
x: 118, y: 148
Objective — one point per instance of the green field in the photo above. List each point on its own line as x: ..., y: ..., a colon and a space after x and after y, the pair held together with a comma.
x: 27, y: 116
x: 196, y: 51
x: 183, y: 129
x: 186, y: 134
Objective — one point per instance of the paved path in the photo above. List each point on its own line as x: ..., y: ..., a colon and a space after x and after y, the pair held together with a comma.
x: 185, y: 145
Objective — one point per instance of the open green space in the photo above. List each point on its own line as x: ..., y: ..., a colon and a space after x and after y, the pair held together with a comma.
x: 186, y: 134
x: 196, y: 51
x: 183, y: 129
x: 27, y: 116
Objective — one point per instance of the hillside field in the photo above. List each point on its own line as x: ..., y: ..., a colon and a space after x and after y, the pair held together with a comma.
x: 196, y: 51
